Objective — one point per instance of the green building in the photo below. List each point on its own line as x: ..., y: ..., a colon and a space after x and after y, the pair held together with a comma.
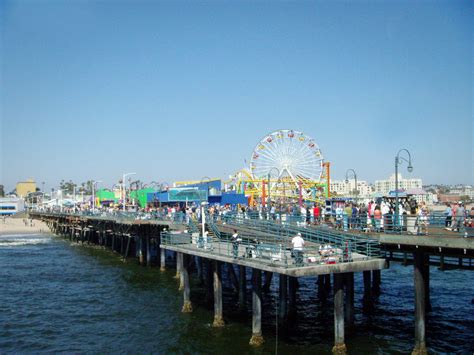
x: 140, y: 196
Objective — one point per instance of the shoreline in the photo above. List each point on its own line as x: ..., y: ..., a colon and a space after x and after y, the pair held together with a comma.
x: 14, y: 226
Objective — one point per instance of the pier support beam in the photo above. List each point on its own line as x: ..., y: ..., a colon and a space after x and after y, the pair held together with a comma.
x: 178, y: 265
x: 233, y: 277
x: 292, y: 285
x: 200, y: 270
x: 268, y: 281
x: 420, y: 310
x: 426, y: 278
x: 148, y: 250
x: 349, y: 307
x: 187, y: 306
x: 162, y: 259
x: 179, y: 271
x: 321, y: 288
x: 141, y: 249
x: 327, y: 284
x: 441, y: 262
x: 367, y: 286
x: 209, y: 282
x: 257, y: 338
x: 127, y: 249
x: 339, y: 344
x: 282, y: 297
x: 218, y: 314
x: 376, y: 280
x: 242, y: 288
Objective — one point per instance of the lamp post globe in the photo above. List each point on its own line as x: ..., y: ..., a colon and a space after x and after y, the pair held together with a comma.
x: 355, y: 179
x: 398, y: 160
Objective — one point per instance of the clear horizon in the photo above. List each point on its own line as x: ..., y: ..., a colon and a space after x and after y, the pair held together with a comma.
x: 178, y: 91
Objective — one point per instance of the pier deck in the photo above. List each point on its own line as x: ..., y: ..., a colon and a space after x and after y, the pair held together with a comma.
x: 359, y: 262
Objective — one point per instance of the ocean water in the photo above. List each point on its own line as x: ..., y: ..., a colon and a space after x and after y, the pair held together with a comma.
x: 57, y: 296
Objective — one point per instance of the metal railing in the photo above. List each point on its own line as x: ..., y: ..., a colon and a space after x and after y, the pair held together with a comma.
x: 358, y: 243
x: 263, y: 251
x: 266, y: 241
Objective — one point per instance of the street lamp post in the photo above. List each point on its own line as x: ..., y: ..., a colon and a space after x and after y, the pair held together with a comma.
x: 355, y: 179
x: 124, y: 192
x: 74, y: 197
x: 203, y: 221
x: 269, y: 201
x: 398, y: 161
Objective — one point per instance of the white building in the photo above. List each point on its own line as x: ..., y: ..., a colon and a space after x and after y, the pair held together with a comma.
x: 385, y: 186
x: 11, y: 205
x: 463, y: 191
x: 344, y: 188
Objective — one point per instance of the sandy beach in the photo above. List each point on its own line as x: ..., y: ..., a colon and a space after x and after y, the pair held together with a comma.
x: 17, y: 226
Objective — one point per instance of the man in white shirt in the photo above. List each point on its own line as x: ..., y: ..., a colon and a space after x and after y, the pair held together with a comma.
x: 298, y: 244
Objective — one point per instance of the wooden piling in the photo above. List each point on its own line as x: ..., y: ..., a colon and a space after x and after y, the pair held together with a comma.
x: 321, y: 288
x: 419, y: 273
x: 148, y: 250
x: 268, y: 281
x: 209, y: 282
x: 441, y: 263
x: 426, y: 278
x: 367, y: 286
x: 349, y: 293
x: 162, y: 259
x: 127, y: 249
x: 200, y: 270
x: 282, y: 297
x: 257, y: 338
x: 292, y: 296
x: 233, y: 276
x: 242, y: 288
x: 179, y: 261
x: 339, y: 343
x: 187, y: 306
x: 218, y: 314
x: 178, y: 265
x: 376, y: 279
x: 327, y: 284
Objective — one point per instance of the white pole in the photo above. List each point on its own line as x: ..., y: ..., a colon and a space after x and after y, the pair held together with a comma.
x: 93, y: 196
x: 123, y: 192
x: 124, y: 189
x: 203, y: 219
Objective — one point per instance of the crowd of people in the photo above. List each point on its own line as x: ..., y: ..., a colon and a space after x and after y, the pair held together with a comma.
x: 376, y: 216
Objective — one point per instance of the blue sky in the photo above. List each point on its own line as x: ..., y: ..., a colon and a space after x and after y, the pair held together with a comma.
x: 179, y: 90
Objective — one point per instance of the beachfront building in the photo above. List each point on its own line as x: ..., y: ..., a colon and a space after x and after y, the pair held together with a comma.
x: 11, y: 205
x: 347, y: 188
x: 23, y: 188
x: 385, y: 186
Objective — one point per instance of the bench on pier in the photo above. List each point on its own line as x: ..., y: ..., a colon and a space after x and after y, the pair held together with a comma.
x: 265, y: 251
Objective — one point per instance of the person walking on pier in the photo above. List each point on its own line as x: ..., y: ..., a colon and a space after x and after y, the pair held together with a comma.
x: 235, y: 239
x: 460, y: 216
x: 298, y: 244
x: 448, y: 212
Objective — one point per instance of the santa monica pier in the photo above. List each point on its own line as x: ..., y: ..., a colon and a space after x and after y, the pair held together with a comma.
x: 277, y: 221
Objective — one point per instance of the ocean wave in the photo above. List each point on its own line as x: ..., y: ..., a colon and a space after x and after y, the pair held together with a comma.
x: 7, y: 241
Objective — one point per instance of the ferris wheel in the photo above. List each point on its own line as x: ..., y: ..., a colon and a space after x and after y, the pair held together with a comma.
x: 287, y: 154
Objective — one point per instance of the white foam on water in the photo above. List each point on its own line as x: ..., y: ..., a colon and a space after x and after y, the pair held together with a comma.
x: 8, y: 241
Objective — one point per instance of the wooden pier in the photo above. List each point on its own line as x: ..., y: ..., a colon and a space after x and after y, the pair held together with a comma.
x: 148, y: 241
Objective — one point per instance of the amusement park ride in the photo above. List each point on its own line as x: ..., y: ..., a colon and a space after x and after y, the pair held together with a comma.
x: 287, y: 166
